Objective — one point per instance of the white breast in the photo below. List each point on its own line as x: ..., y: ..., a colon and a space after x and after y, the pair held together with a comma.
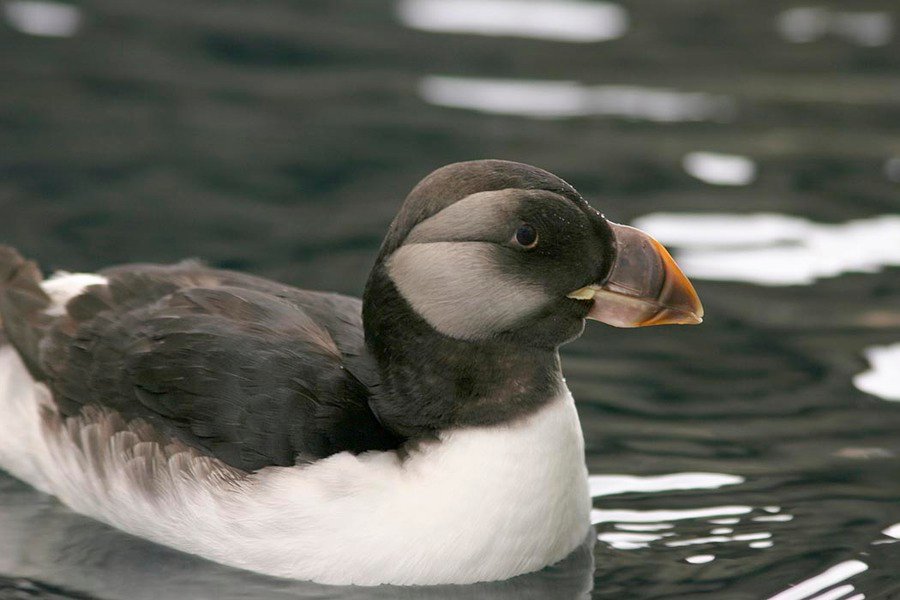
x: 479, y: 504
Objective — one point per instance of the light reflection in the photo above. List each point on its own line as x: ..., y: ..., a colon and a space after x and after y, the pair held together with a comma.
x: 836, y: 574
x: 637, y: 529
x: 774, y: 518
x: 607, y: 485
x: 599, y: 515
x: 720, y: 169
x: 774, y: 249
x: 893, y: 531
x: 564, y: 99
x: 836, y: 593
x: 720, y: 539
x: 811, y: 23
x: 863, y: 453
x: 643, y: 526
x: 42, y: 17
x: 721, y: 531
x: 882, y: 379
x: 628, y: 541
x: 560, y: 20
x: 632, y: 537
x: 700, y: 559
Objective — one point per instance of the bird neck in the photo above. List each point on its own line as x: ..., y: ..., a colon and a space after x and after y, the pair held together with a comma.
x: 430, y: 382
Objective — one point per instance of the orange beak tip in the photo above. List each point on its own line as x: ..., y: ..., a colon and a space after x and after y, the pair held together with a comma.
x: 644, y: 287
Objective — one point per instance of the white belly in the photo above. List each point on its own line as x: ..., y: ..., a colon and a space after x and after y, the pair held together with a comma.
x: 479, y: 504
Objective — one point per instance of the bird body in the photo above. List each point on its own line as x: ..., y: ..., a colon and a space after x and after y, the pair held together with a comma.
x: 423, y: 435
x: 477, y: 504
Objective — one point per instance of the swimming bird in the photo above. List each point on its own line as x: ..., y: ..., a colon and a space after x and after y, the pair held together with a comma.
x: 421, y: 435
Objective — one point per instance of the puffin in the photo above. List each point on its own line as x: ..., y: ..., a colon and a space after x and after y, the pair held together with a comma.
x: 421, y: 435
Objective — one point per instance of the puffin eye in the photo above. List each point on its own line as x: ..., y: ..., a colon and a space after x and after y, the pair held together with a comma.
x: 526, y: 236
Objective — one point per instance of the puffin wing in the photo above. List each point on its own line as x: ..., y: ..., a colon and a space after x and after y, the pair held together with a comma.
x: 246, y: 370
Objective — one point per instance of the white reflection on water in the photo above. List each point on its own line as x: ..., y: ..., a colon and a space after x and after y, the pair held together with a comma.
x: 700, y: 559
x: 774, y: 518
x: 810, y: 23
x: 836, y: 574
x: 774, y: 249
x: 639, y: 528
x: 621, y: 540
x: 836, y: 593
x: 602, y: 515
x: 643, y: 526
x: 721, y: 539
x: 561, y: 99
x: 607, y: 485
x: 893, y: 531
x: 562, y: 20
x: 720, y: 169
x: 882, y: 379
x: 42, y: 17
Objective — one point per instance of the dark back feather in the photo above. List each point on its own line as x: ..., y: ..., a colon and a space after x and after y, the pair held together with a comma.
x: 250, y: 371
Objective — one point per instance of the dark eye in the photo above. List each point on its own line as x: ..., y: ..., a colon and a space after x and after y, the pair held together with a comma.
x: 526, y: 236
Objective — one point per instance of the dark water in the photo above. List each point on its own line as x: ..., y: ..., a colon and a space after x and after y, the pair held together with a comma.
x: 279, y: 137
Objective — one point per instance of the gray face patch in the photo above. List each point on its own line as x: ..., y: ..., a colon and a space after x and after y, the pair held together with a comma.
x: 461, y: 288
x: 479, y: 217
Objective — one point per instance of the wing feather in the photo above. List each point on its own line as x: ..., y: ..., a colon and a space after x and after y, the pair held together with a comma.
x: 252, y: 372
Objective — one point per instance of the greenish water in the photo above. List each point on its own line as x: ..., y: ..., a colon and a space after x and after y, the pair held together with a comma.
x: 279, y: 138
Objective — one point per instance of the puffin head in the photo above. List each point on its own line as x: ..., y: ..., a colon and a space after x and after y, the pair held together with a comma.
x: 493, y: 251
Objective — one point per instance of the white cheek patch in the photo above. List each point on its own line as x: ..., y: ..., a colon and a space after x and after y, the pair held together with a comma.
x: 461, y: 288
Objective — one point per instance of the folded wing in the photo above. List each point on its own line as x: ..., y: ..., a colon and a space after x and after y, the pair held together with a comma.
x: 247, y: 370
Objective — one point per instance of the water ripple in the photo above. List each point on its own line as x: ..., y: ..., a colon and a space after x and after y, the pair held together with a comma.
x: 563, y: 99
x: 810, y: 23
x: 607, y: 485
x: 599, y: 515
x: 836, y: 574
x: 43, y: 17
x: 560, y: 20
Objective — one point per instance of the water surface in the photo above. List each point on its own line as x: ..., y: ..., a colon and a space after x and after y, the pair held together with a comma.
x: 735, y: 460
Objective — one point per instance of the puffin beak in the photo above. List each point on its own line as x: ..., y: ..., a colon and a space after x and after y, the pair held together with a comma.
x: 644, y: 286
